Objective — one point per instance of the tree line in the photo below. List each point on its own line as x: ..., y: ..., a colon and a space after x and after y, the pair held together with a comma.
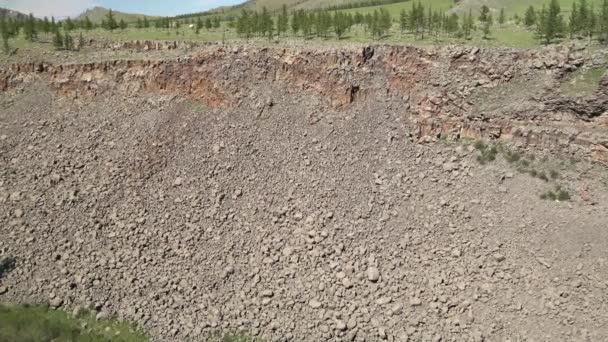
x: 584, y: 21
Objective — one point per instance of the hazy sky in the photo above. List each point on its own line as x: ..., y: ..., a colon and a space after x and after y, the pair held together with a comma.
x: 63, y: 8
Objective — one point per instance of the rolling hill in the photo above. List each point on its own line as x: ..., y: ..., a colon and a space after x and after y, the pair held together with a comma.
x: 97, y: 14
x: 8, y: 13
x: 460, y: 6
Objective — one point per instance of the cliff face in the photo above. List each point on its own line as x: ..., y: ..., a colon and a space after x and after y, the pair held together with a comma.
x: 449, y: 93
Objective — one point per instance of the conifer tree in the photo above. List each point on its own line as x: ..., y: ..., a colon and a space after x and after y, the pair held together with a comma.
x: 295, y: 22
x: 68, y: 41
x: 487, y: 23
x: 403, y: 20
x: 5, y: 35
x: 69, y: 24
x: 502, y: 17
x: 110, y: 22
x: 603, y: 22
x: 58, y: 40
x: 198, y: 25
x: 80, y: 41
x: 123, y: 24
x: 29, y: 28
x: 87, y: 24
x: 216, y: 22
x: 283, y: 21
x: 468, y: 25
x: 553, y: 23
x: 146, y: 23
x: 530, y: 19
x: 591, y: 23
x: 573, y: 21
x: 46, y: 25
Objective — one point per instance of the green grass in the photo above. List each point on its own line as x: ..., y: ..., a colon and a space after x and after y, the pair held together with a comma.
x: 396, y: 8
x: 583, y: 82
x: 26, y: 323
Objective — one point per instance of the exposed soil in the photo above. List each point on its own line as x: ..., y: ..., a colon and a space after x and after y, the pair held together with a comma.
x: 306, y: 195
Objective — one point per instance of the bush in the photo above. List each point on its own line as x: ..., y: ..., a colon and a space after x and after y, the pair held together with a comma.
x: 486, y: 154
x: 553, y: 174
x: 512, y: 157
x: 559, y: 194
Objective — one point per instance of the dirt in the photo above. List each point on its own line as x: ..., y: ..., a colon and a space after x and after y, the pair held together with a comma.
x: 307, y: 195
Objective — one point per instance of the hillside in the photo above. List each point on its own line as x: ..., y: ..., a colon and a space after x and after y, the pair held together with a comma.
x: 97, y: 14
x: 511, y: 6
x: 515, y: 6
x: 5, y: 12
x: 303, y: 4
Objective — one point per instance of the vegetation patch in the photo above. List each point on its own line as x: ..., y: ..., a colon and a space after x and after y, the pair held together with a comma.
x: 557, y: 194
x: 526, y: 164
x: 486, y: 153
x: 40, y: 323
x: 583, y: 82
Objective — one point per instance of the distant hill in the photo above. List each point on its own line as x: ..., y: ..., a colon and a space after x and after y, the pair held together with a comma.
x: 304, y: 4
x: 8, y: 13
x: 97, y: 14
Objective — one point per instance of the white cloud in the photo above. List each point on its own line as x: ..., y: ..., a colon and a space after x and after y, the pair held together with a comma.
x: 56, y: 8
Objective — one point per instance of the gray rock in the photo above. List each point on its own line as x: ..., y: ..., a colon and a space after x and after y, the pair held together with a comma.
x: 315, y: 304
x: 373, y: 274
x: 414, y: 301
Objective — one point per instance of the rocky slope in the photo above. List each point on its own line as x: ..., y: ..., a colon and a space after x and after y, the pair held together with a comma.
x: 308, y: 195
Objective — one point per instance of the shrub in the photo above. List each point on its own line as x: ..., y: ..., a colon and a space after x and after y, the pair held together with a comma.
x: 553, y: 174
x: 512, y: 157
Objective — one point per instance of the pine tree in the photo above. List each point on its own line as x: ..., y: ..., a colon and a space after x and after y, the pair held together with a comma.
x: 68, y: 42
x: 553, y: 25
x: 123, y: 25
x: 283, y: 21
x: 110, y: 22
x: 603, y: 22
x: 244, y: 25
x: 386, y: 22
x: 88, y: 25
x: 501, y: 17
x: 591, y: 23
x: 58, y: 40
x: 139, y: 24
x: 295, y: 22
x: 416, y: 19
x: 484, y: 13
x: 468, y: 25
x: 69, y: 24
x: 5, y: 36
x: 208, y: 24
x: 573, y: 21
x: 29, y: 28
x: 81, y: 41
x: 530, y: 18
x: 403, y: 20
x: 216, y: 22
x: 486, y: 26
x: 267, y: 24
x: 452, y: 24
x: 198, y: 25
x: 146, y: 22
x: 46, y: 25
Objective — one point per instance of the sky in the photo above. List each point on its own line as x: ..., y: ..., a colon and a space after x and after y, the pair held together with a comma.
x: 64, y: 8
